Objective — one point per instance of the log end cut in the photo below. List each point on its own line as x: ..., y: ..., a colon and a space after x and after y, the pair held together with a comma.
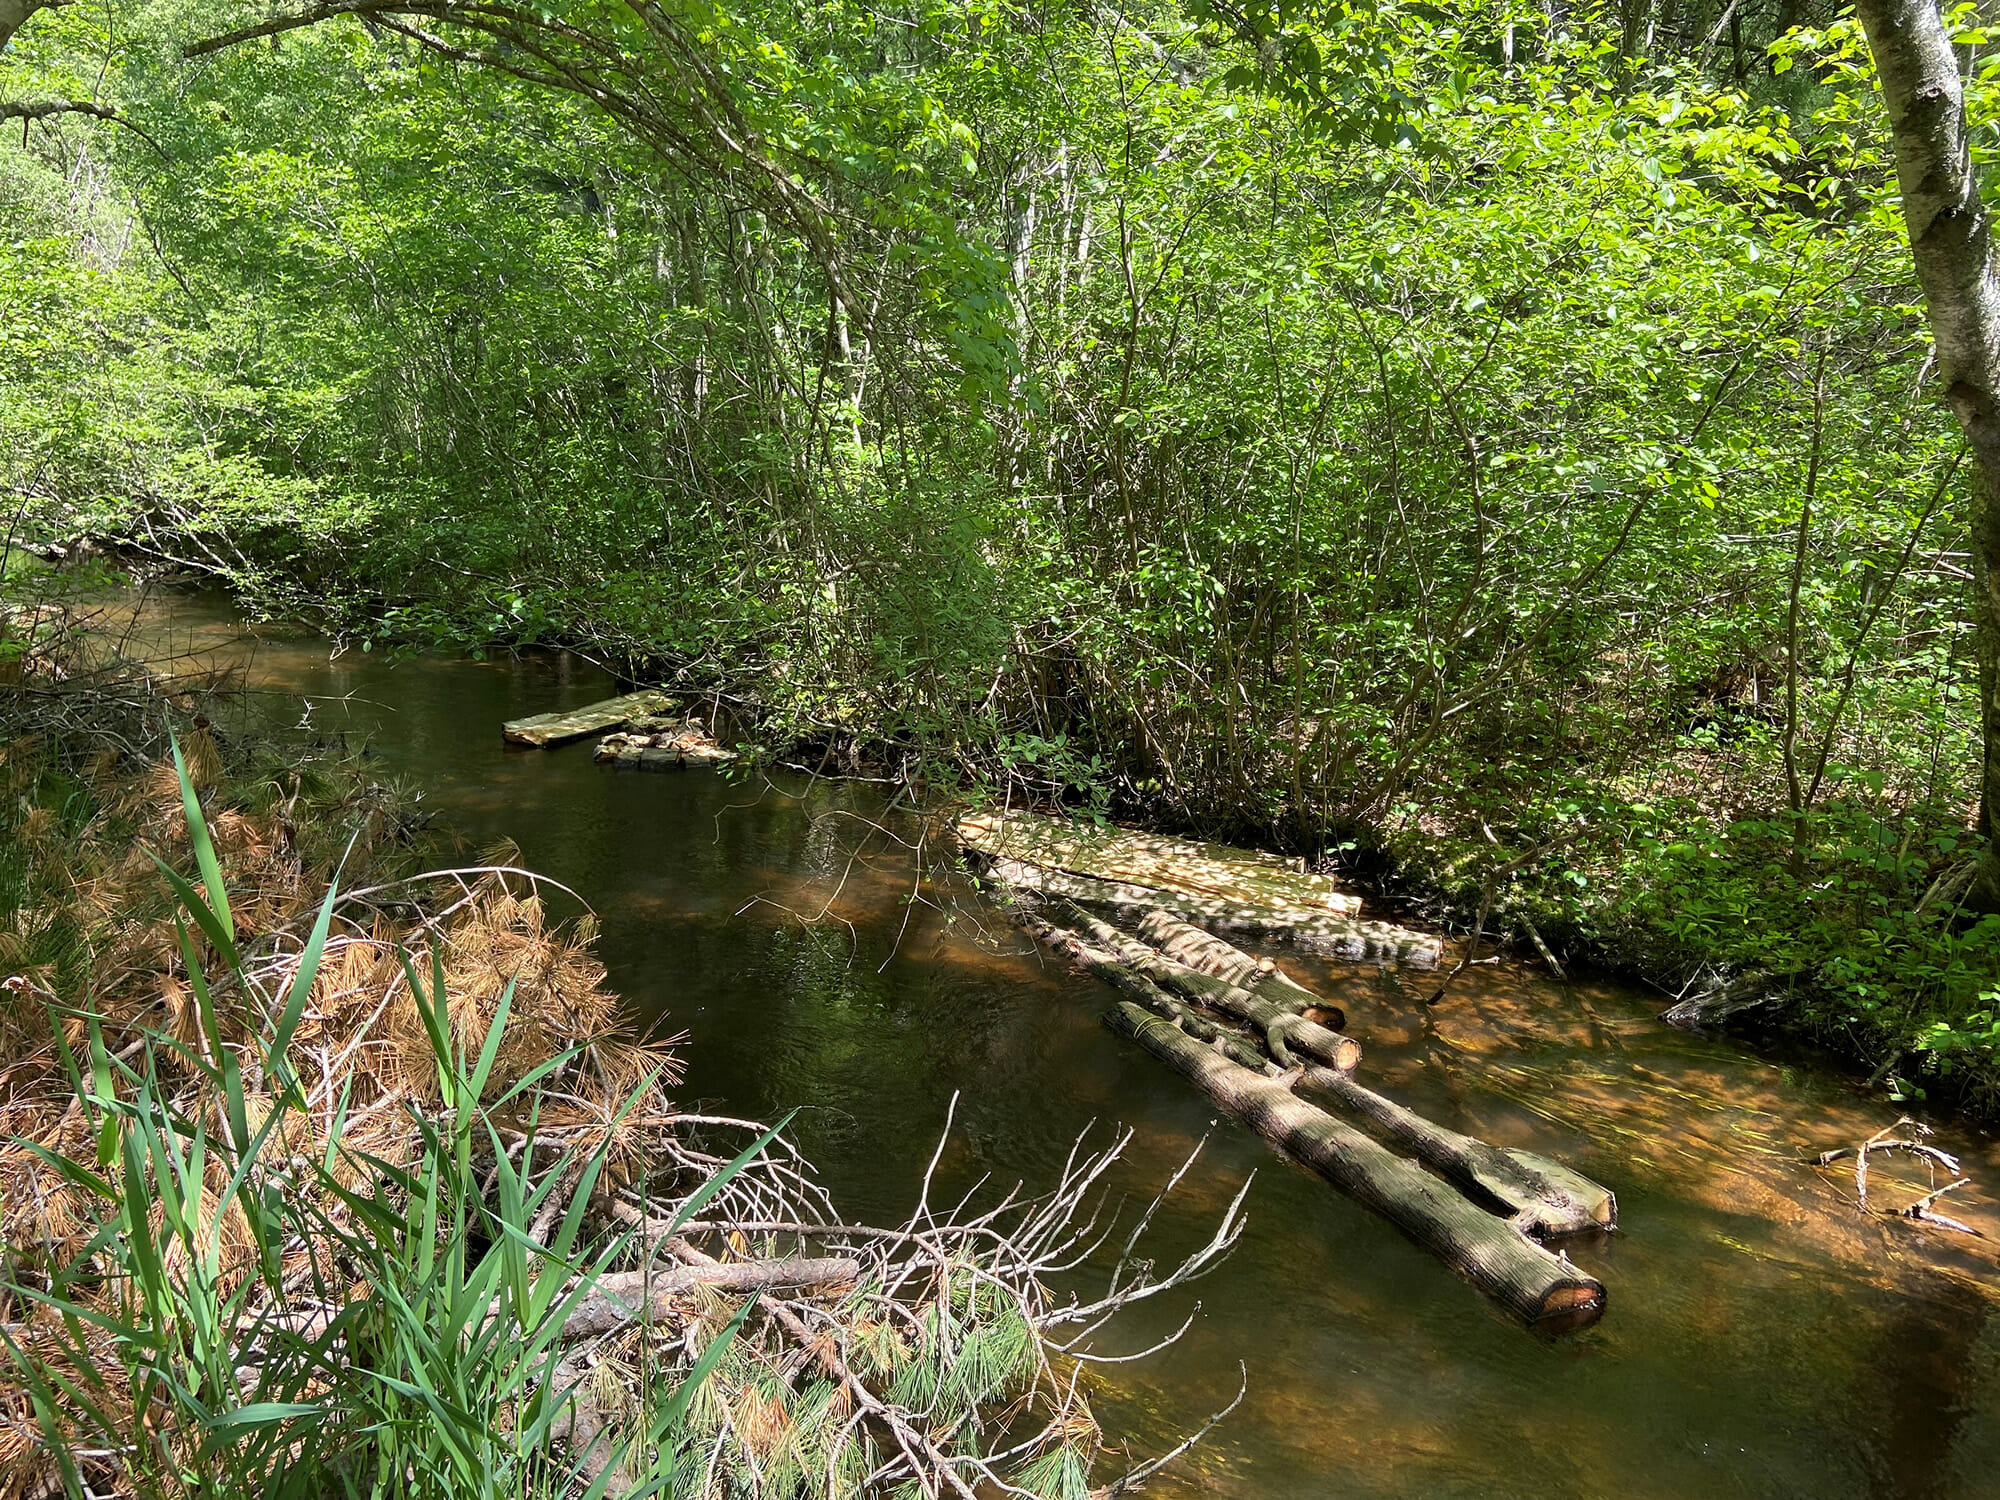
x: 1571, y: 1305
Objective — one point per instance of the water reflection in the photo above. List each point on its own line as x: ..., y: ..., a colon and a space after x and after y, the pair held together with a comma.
x: 1764, y: 1338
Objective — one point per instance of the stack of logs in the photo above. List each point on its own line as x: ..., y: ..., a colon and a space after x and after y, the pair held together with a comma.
x: 1273, y: 1055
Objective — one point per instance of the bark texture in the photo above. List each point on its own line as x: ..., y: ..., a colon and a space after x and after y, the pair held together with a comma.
x: 1535, y: 1284
x: 646, y: 1296
x: 1323, y: 1043
x: 1951, y: 243
x: 1543, y: 1196
x: 1187, y: 944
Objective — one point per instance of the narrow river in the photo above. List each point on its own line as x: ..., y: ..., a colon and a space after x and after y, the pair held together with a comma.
x: 1764, y: 1338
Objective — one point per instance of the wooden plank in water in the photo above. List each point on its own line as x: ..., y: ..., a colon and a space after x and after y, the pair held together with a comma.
x: 544, y: 730
x: 1212, y: 872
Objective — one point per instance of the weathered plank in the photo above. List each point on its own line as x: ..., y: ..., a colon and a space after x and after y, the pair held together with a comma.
x: 1209, y: 872
x: 544, y: 730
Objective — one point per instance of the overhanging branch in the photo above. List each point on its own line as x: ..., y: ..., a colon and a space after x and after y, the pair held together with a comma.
x: 714, y: 135
x: 43, y: 109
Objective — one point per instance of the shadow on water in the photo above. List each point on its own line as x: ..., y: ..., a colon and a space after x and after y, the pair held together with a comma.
x: 1764, y: 1337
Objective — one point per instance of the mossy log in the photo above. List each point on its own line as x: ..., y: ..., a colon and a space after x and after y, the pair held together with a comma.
x: 1325, y: 1043
x: 1312, y: 931
x: 1214, y: 871
x: 1544, y: 1197
x: 1539, y: 1286
x: 545, y: 730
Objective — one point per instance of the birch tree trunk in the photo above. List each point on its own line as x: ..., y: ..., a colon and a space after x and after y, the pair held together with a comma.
x: 1951, y: 241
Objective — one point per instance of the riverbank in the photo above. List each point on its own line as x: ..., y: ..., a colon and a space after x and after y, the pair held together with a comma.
x: 772, y: 918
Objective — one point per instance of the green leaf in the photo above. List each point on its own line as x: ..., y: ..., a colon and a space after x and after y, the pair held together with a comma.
x: 262, y: 1414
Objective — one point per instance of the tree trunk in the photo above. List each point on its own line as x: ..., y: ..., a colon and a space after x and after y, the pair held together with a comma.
x: 1207, y: 954
x: 1536, y: 1285
x: 14, y: 15
x: 1324, y: 1043
x: 1109, y: 967
x: 1342, y: 937
x: 1951, y: 242
x: 1544, y: 1197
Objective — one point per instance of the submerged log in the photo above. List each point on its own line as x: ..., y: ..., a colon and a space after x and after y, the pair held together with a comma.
x: 1281, y: 1028
x: 1722, y: 1000
x: 1212, y: 871
x: 545, y: 730
x: 1537, y: 1285
x: 663, y: 743
x: 1313, y: 931
x: 1543, y: 1197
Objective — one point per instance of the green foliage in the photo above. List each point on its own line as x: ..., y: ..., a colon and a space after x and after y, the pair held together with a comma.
x: 1370, y: 425
x: 390, y: 1327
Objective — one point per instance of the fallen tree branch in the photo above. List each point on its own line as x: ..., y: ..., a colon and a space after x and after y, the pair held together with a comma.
x: 646, y: 1296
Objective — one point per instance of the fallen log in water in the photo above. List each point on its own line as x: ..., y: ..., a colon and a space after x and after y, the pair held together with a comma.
x: 1213, y: 871
x: 1543, y: 1196
x: 545, y: 730
x: 1277, y: 1024
x: 1121, y: 976
x: 1301, y: 927
x: 1537, y: 1285
x: 662, y: 743
x: 1207, y: 954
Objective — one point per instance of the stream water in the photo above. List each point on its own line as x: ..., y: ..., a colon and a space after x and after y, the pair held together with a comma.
x: 1764, y: 1338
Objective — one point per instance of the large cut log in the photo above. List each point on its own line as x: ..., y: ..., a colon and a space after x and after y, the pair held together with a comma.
x: 1122, y: 977
x: 1313, y: 931
x: 1215, y: 871
x: 544, y: 730
x: 1535, y: 1284
x: 1543, y: 1196
x: 1281, y: 1028
x: 1205, y: 953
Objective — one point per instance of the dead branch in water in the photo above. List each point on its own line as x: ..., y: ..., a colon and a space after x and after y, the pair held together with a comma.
x: 1887, y: 1139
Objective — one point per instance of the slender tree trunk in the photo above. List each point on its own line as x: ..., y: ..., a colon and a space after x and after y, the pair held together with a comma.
x: 1951, y: 241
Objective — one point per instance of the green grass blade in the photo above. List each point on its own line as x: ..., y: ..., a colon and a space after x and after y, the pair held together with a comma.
x: 302, y: 981
x: 668, y: 1422
x: 491, y: 1047
x: 204, y: 856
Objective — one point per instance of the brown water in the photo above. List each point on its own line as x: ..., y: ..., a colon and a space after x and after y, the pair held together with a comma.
x: 1764, y: 1338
